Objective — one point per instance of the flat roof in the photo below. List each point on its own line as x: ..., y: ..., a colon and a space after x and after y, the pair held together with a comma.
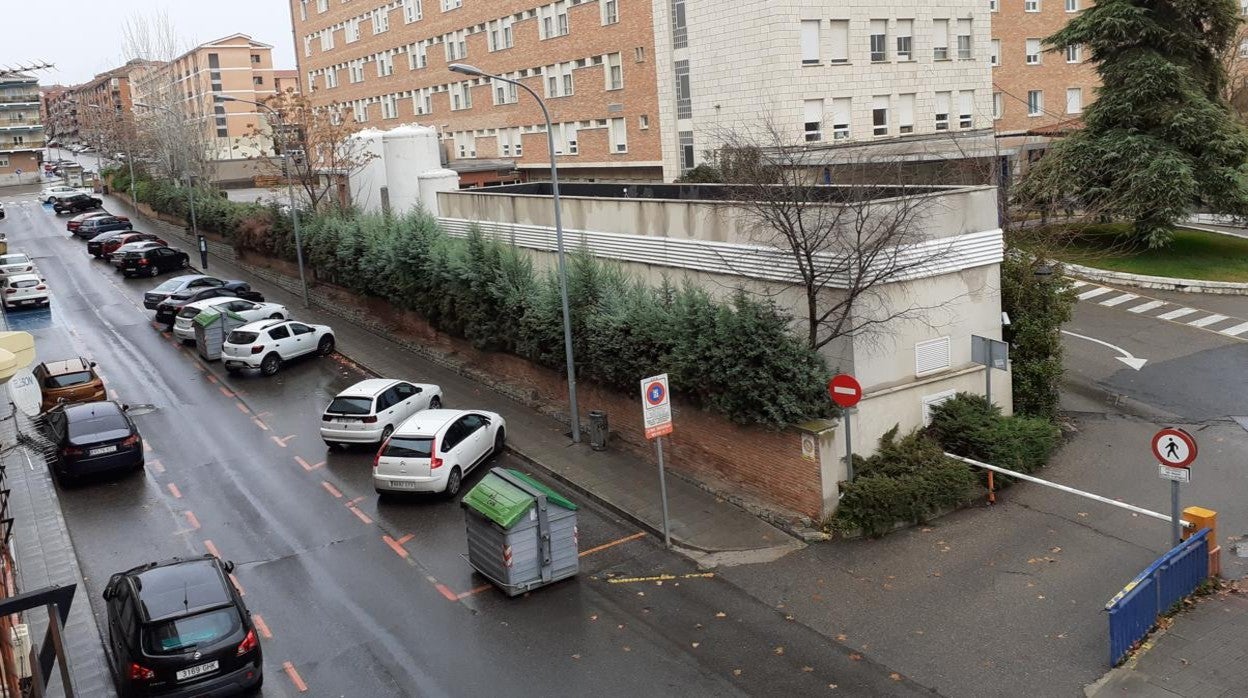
x: 832, y: 193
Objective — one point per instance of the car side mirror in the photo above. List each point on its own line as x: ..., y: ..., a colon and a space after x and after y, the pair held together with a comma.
x: 92, y: 364
x: 228, y: 566
x: 125, y: 407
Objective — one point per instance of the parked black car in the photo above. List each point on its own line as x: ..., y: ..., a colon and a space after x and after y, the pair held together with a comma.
x: 180, y: 628
x: 94, y: 226
x: 154, y: 262
x: 93, y: 438
x: 77, y: 204
x: 168, y: 309
x: 177, y: 284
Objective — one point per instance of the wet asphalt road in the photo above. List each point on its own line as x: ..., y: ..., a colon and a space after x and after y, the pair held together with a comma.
x: 360, y: 598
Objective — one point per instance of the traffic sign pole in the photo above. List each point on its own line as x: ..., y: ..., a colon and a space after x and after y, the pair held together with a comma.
x: 1176, y: 522
x: 667, y: 536
x: 845, y: 391
x: 656, y: 412
x: 1175, y: 450
x: 849, y: 412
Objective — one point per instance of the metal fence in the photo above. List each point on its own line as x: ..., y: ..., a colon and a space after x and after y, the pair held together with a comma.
x: 1134, y: 610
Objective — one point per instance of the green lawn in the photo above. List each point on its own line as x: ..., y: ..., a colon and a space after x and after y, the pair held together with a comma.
x: 1193, y: 254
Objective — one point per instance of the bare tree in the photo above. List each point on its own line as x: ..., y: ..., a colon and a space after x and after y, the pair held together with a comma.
x: 847, y: 242
x: 1234, y: 59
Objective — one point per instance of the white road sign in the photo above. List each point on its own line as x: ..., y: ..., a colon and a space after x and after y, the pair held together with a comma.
x: 656, y: 406
x: 1183, y: 475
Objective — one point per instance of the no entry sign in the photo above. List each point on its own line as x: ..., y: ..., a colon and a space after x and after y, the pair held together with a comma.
x: 845, y: 390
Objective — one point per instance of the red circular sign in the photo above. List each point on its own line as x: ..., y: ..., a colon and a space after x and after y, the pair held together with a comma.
x: 845, y: 390
x: 1174, y: 447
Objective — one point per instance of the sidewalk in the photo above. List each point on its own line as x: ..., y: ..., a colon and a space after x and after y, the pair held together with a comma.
x: 1203, y: 654
x: 699, y: 521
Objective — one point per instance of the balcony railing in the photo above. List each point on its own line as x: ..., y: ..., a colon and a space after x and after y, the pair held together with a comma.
x: 14, y: 125
x: 11, y: 146
x: 19, y: 99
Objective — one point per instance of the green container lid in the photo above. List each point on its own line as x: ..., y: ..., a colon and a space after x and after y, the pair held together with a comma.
x: 207, y: 317
x: 504, y: 503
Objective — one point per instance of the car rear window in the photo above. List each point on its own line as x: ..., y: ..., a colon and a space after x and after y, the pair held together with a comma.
x: 192, y: 631
x: 65, y: 380
x: 168, y: 286
x: 25, y: 283
x: 238, y: 337
x: 97, y: 424
x: 409, y: 447
x: 13, y: 259
x: 351, y: 405
x: 188, y: 312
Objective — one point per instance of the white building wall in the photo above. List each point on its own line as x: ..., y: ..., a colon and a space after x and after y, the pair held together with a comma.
x: 745, y: 60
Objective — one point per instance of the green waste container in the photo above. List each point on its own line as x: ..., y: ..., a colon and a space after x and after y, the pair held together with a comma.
x: 521, y: 534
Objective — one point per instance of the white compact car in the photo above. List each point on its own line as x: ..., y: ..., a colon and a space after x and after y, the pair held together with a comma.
x: 434, y: 449
x: 16, y: 263
x: 60, y: 191
x: 369, y: 411
x: 267, y: 344
x: 23, y: 290
x: 184, y: 323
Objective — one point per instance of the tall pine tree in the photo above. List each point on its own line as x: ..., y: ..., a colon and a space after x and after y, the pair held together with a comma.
x: 1160, y: 138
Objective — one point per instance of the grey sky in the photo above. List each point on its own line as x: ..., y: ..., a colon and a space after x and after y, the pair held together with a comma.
x: 83, y: 37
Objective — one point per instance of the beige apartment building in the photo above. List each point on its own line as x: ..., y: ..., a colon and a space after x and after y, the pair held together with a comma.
x: 385, y: 62
x: 21, y: 129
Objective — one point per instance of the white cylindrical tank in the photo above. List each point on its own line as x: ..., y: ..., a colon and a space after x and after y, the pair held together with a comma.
x: 434, y: 181
x: 367, y: 181
x: 409, y: 150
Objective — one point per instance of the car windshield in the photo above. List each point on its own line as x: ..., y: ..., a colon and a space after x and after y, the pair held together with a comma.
x: 13, y: 259
x: 188, y: 312
x: 169, y: 286
x: 239, y: 337
x: 66, y: 380
x: 351, y: 405
x: 192, y: 631
x: 409, y: 447
x: 25, y: 283
x: 97, y: 424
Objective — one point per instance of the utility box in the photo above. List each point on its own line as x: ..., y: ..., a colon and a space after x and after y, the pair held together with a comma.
x: 212, y: 326
x: 521, y: 534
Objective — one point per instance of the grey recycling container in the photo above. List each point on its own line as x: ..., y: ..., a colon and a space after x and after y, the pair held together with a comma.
x: 212, y: 326
x: 521, y: 534
x: 599, y: 430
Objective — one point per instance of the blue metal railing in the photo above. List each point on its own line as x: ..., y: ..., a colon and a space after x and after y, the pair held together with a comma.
x: 1134, y: 610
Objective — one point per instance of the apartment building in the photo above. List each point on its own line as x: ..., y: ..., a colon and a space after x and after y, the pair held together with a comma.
x: 286, y: 80
x: 54, y: 110
x: 21, y: 129
x: 385, y: 62
x: 235, y: 65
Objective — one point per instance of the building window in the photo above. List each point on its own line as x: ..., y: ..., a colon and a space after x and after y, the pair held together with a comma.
x: 257, y: 80
x: 1074, y: 53
x: 810, y: 42
x: 355, y: 72
x: 461, y: 96
x: 686, y: 150
x: 684, y: 93
x: 331, y: 77
x: 307, y: 46
x: 879, y: 40
x: 456, y: 45
x: 840, y: 41
x: 390, y: 107
x: 418, y: 56
x: 1031, y: 5
x: 992, y: 6
x: 327, y: 40
x: 615, y: 71
x: 905, y: 39
x: 554, y: 20
x: 942, y: 111
x: 995, y: 58
x: 322, y: 5
x: 813, y: 120
x: 610, y: 11
x: 618, y: 132
x: 505, y: 93
x: 351, y: 31
x: 1033, y: 52
x: 932, y: 356
x: 840, y: 118
x: 361, y: 111
x: 1072, y: 5
x: 448, y: 5
x: 639, y: 54
x: 1035, y: 102
x: 1243, y: 49
x: 998, y: 105
x: 966, y: 109
x: 255, y: 58
x: 940, y: 39
x: 1074, y: 100
x: 303, y: 10
x: 964, y: 39
x: 680, y: 29
x: 643, y: 122
x: 422, y: 101
x: 500, y: 35
x: 905, y: 113
x: 879, y: 115
x: 381, y: 20
x: 385, y: 65
x: 412, y: 11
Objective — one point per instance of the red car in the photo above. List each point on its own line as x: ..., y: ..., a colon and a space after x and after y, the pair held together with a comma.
x: 110, y: 245
x: 76, y: 222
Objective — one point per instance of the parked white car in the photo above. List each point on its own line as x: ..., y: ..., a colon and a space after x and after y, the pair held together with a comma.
x: 369, y: 411
x: 267, y: 344
x: 60, y: 191
x: 434, y: 449
x: 16, y: 263
x: 184, y: 323
x: 23, y: 290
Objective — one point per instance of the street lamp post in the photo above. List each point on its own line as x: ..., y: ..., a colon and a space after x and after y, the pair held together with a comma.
x: 290, y: 187
x: 563, y: 271
x: 190, y: 193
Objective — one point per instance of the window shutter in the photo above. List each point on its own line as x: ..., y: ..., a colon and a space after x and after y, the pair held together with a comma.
x: 840, y: 110
x: 931, y: 356
x: 966, y: 102
x: 840, y: 40
x: 810, y: 41
x: 942, y: 102
x: 905, y: 110
x: 813, y: 111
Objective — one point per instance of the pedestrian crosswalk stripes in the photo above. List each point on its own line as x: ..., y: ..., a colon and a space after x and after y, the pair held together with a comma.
x: 1176, y: 314
x: 1208, y: 320
x: 1097, y: 291
x: 1236, y: 330
x: 1144, y: 306
x: 1119, y: 299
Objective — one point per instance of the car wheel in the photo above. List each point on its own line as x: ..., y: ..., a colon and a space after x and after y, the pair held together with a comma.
x: 271, y: 364
x: 385, y: 434
x: 51, y: 199
x: 500, y: 440
x: 186, y: 262
x: 453, y: 481
x: 435, y: 403
x: 326, y: 347
x: 277, y: 316
x: 154, y: 271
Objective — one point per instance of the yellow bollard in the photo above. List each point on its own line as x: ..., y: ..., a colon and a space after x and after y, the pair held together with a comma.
x: 1201, y: 517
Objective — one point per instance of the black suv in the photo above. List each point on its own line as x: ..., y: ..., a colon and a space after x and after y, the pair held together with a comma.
x: 104, y: 224
x: 154, y: 261
x: 180, y: 627
x: 77, y: 204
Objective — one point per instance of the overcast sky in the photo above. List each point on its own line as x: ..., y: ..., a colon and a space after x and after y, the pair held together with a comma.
x: 84, y: 37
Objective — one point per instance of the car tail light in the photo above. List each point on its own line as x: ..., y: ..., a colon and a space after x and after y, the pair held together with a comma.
x: 10, y: 290
x: 71, y: 451
x: 370, y: 419
x: 138, y: 672
x: 248, y: 644
x: 143, y: 262
x: 257, y: 349
x: 326, y: 418
x: 131, y: 440
x: 434, y: 461
x: 377, y: 458
x: 41, y: 287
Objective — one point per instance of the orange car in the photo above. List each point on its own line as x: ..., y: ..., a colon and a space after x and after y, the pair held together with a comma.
x: 73, y: 380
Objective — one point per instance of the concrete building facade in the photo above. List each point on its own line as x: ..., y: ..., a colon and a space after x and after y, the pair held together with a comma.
x: 21, y: 129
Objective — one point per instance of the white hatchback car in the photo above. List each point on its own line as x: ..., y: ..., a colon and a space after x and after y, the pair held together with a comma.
x: 24, y: 290
x: 369, y: 411
x: 265, y: 345
x: 16, y: 263
x: 184, y: 323
x: 60, y: 191
x: 434, y: 449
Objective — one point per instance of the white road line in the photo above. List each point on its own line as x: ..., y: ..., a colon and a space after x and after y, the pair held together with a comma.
x: 1236, y: 330
x: 1078, y: 284
x: 1098, y: 291
x: 1176, y: 314
x: 1119, y: 299
x: 1145, y: 307
x: 1207, y: 321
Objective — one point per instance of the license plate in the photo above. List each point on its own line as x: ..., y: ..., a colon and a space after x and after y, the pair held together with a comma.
x: 197, y: 670
x: 403, y: 485
x: 102, y: 450
x: 25, y: 302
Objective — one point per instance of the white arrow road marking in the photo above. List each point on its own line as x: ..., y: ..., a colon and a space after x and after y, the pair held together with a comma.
x: 1127, y: 357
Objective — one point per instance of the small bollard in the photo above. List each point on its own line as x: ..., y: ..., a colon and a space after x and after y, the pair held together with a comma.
x: 599, y: 431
